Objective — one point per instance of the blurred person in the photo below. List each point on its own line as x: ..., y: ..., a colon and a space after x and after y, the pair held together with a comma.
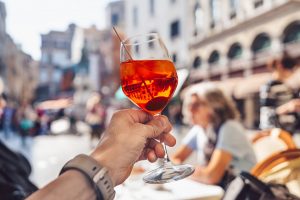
x: 175, y: 114
x: 26, y: 117
x: 290, y: 107
x: 9, y: 117
x: 217, y: 136
x: 276, y: 93
x: 95, y: 115
x: 42, y: 122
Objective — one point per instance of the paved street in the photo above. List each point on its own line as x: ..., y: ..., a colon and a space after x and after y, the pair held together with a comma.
x: 50, y: 153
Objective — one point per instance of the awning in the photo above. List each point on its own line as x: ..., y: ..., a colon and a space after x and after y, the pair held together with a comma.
x: 55, y: 104
x: 250, y: 85
x: 227, y: 86
x: 238, y: 87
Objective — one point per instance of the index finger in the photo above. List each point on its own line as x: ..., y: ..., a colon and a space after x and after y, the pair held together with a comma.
x: 157, y: 126
x: 168, y: 139
x: 135, y: 116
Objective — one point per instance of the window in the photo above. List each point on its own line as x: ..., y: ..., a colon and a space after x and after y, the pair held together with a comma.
x: 233, y: 8
x: 135, y: 16
x: 136, y: 47
x: 151, y: 43
x: 175, y: 29
x: 214, y: 57
x: 215, y: 12
x: 152, y: 7
x: 292, y: 33
x: 114, y: 19
x: 198, y: 18
x: 197, y: 62
x: 235, y: 51
x: 174, y: 57
x: 262, y: 42
x: 258, y: 3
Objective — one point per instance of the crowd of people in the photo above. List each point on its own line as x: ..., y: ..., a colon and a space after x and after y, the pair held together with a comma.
x: 28, y: 120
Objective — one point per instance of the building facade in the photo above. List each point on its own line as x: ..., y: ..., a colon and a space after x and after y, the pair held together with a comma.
x: 59, y: 51
x: 17, y: 69
x: 2, y: 35
x: 62, y: 48
x: 168, y: 18
x: 234, y: 40
x: 115, y: 15
x: 243, y: 38
x: 229, y: 41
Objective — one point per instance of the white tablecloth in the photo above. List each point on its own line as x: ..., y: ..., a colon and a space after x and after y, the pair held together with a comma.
x: 185, y: 189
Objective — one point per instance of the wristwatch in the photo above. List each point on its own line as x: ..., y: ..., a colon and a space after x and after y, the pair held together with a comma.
x: 97, y: 174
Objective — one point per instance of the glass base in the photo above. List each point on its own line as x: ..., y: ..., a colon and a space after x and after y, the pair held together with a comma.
x: 168, y: 173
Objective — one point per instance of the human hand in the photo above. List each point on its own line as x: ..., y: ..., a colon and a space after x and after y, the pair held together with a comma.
x: 131, y: 136
x: 289, y: 107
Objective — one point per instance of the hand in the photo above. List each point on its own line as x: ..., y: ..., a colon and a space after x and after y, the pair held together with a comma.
x: 131, y: 136
x: 289, y: 107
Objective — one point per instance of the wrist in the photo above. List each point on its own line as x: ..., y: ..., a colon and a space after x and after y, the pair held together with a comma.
x: 101, y: 156
x: 96, y: 174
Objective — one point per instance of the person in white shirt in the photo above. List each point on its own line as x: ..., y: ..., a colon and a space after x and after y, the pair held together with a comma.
x: 216, y: 135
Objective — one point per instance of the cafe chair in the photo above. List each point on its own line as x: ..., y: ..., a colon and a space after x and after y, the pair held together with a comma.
x: 267, y: 142
x: 281, y: 168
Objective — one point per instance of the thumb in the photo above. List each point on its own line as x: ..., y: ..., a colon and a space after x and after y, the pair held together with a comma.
x: 158, y: 125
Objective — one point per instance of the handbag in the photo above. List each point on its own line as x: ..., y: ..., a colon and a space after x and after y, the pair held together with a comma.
x: 248, y: 187
x: 14, y: 175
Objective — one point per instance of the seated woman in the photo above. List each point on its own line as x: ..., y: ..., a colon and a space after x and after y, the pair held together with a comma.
x: 217, y: 135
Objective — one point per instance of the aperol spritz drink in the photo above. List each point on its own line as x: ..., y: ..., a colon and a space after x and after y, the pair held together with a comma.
x: 149, y: 79
x: 150, y: 84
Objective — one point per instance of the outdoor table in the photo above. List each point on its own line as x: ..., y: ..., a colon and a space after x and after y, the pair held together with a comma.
x: 185, y: 189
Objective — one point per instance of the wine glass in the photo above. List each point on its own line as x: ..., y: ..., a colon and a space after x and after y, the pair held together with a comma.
x: 149, y: 79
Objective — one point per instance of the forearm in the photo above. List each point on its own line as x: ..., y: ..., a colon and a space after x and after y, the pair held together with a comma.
x: 205, y: 175
x: 70, y: 185
x: 201, y: 175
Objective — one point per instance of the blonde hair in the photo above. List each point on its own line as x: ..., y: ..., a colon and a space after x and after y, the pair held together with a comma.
x: 222, y: 106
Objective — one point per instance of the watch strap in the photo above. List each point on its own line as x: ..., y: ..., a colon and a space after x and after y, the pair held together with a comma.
x: 95, y: 172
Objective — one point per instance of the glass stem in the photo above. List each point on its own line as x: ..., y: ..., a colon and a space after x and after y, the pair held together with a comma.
x: 166, y: 159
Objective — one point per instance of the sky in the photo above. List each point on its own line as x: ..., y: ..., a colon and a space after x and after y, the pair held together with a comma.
x: 27, y: 19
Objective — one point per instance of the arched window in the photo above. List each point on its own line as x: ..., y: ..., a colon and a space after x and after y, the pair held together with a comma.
x: 262, y: 42
x: 197, y: 62
x: 235, y: 51
x: 214, y: 57
x: 291, y: 33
